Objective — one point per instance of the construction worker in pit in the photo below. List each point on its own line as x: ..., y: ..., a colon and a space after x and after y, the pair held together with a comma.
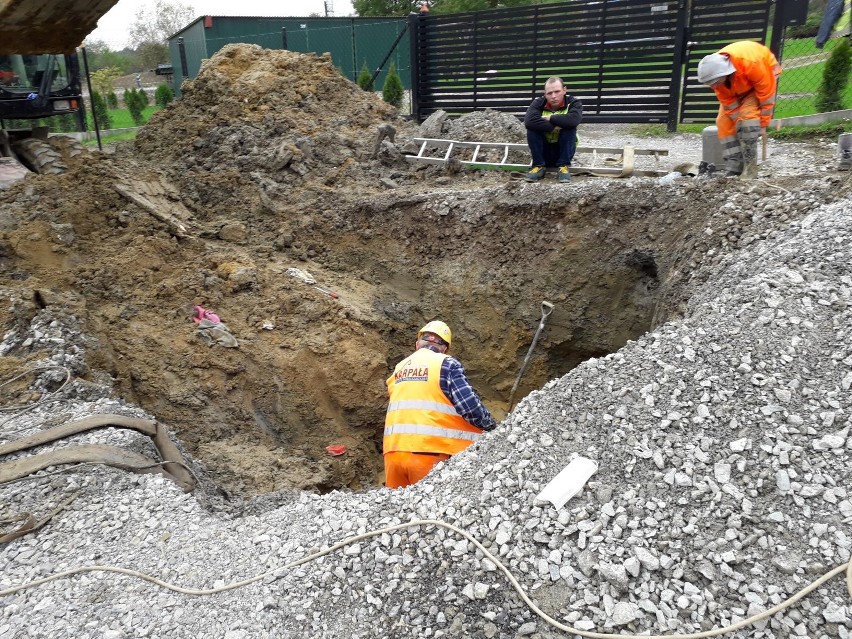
x: 433, y: 411
x: 744, y: 76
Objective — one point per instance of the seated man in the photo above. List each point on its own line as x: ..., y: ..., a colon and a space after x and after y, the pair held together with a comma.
x: 551, y: 123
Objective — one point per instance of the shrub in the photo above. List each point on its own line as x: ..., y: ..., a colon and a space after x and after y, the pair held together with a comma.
x: 807, y: 30
x: 365, y: 78
x: 112, y: 100
x: 164, y: 95
x: 835, y: 78
x: 392, y: 91
x: 142, y: 96
x: 99, y: 105
x: 66, y: 123
x: 135, y: 103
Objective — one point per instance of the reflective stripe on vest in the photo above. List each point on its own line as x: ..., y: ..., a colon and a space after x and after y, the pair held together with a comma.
x: 432, y: 431
x: 420, y: 418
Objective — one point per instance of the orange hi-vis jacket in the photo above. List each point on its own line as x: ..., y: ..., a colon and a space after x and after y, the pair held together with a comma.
x: 420, y: 418
x: 757, y: 70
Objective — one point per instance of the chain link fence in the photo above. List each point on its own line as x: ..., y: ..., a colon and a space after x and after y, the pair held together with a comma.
x: 805, y: 51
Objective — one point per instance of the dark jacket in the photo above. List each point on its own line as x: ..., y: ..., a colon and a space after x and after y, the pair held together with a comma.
x: 534, y: 121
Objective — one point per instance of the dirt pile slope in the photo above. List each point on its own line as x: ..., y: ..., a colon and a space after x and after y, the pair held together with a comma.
x: 284, y: 125
x: 266, y: 165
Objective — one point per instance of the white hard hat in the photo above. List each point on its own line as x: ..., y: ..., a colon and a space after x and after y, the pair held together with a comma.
x: 714, y: 66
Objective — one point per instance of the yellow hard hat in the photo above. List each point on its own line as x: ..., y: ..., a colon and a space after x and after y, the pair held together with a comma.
x: 438, y: 328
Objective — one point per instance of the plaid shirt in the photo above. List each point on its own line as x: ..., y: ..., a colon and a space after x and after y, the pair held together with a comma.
x: 457, y: 388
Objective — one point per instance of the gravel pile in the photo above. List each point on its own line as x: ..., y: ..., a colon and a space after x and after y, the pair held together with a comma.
x: 723, y: 444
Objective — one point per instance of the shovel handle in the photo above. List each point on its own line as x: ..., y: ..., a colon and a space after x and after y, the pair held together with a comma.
x: 546, y: 310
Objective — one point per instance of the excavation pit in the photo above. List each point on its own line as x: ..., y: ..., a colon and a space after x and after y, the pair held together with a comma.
x: 310, y: 369
x: 248, y: 177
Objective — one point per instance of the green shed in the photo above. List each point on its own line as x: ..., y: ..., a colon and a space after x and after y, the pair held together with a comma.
x: 351, y: 42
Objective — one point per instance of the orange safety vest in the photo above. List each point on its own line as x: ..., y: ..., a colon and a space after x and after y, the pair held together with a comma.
x: 420, y: 418
x: 757, y: 70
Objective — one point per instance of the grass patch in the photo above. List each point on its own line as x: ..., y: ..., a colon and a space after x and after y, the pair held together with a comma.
x: 120, y: 118
x: 788, y: 133
x: 110, y: 139
x: 800, y: 133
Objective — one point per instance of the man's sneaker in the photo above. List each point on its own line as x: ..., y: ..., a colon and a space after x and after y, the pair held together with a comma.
x: 535, y: 174
x: 564, y: 174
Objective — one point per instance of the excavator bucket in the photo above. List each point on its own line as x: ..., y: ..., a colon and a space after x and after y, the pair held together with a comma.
x: 48, y: 26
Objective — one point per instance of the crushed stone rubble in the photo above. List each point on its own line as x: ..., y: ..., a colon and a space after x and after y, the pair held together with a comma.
x: 723, y: 443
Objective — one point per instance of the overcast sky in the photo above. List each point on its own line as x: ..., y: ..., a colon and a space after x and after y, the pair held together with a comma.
x: 112, y: 27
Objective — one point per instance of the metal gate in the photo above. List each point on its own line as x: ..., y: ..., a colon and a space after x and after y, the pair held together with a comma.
x: 627, y: 60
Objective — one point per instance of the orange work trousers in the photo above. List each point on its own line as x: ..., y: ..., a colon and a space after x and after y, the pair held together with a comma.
x: 749, y: 110
x: 403, y: 469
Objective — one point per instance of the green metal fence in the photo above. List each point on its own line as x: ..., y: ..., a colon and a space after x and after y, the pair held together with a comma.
x: 804, y: 62
x: 352, y: 42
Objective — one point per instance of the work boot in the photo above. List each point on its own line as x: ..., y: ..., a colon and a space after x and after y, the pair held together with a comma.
x: 734, y: 163
x: 564, y: 174
x: 536, y: 173
x: 749, y: 147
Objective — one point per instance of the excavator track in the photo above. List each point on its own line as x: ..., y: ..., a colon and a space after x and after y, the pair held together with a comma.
x: 70, y: 148
x: 40, y: 156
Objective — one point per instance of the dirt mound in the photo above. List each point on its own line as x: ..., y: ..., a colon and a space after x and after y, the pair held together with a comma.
x: 486, y: 126
x: 265, y: 182
x: 259, y: 115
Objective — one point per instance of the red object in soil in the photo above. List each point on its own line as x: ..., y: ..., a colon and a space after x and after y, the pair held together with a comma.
x: 335, y: 449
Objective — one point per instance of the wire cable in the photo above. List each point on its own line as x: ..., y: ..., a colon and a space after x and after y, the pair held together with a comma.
x: 45, y: 397
x: 277, y: 573
x: 20, y: 410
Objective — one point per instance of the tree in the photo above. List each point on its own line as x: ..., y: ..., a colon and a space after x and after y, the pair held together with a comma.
x: 157, y: 23
x: 100, y: 56
x: 135, y: 103
x: 150, y: 31
x: 404, y: 7
x: 835, y: 78
x: 103, y: 80
x: 99, y: 105
x: 365, y: 78
x: 384, y: 7
x: 393, y: 91
x: 148, y: 55
x: 458, y: 6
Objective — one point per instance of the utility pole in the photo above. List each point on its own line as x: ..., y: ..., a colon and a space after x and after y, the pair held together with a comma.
x: 329, y: 8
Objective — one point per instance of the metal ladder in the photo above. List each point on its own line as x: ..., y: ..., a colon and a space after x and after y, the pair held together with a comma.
x: 622, y: 166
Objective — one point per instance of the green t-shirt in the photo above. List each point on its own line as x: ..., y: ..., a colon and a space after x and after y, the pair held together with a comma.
x: 553, y: 136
